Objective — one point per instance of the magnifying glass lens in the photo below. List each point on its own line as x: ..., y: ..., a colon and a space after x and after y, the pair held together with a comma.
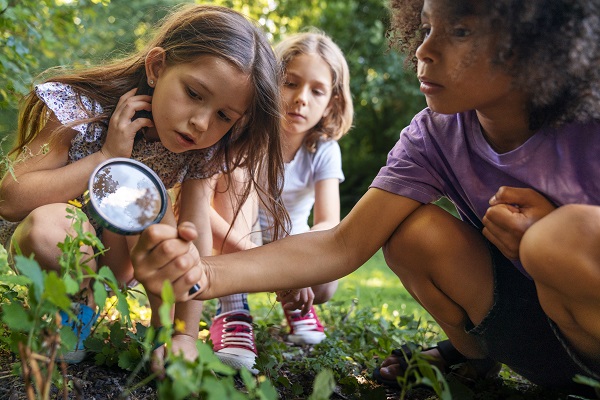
x: 125, y: 196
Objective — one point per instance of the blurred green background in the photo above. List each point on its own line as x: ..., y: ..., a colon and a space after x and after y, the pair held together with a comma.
x: 37, y: 34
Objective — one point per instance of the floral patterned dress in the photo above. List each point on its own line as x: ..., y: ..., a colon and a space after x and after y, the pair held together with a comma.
x: 172, y: 168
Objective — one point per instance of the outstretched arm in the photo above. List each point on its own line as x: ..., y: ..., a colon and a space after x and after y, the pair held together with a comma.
x: 310, y: 258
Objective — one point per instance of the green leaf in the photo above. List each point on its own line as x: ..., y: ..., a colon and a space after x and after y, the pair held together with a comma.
x: 99, y: 293
x: 107, y: 274
x: 31, y: 269
x: 56, y: 292
x: 68, y: 339
x: 168, y: 296
x: 323, y: 386
x: 129, y: 359
x: 20, y: 280
x: 267, y: 391
x: 16, y: 317
x: 123, y: 307
x: 71, y: 285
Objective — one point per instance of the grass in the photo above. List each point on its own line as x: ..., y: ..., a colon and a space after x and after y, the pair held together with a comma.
x: 372, y: 286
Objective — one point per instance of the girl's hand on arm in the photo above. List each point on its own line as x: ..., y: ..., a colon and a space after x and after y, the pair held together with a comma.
x: 121, y: 129
x: 512, y: 211
x: 167, y: 253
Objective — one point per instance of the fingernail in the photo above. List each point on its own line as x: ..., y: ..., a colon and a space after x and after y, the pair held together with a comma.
x: 195, y: 289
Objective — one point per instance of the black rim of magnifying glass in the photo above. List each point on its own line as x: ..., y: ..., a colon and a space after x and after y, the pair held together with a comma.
x: 148, y: 172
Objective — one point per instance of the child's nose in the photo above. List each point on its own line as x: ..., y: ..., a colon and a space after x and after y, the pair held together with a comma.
x: 200, y: 120
x: 426, y: 52
x: 301, y: 97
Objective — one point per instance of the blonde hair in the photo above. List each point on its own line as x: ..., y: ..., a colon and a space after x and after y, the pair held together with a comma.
x: 339, y: 120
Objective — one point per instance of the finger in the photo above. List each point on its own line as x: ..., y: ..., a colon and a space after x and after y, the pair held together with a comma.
x: 154, y: 235
x: 503, y: 215
x: 507, y: 245
x: 187, y: 231
x: 193, y: 278
x: 512, y: 195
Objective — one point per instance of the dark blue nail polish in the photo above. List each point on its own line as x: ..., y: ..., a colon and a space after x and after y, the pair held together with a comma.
x: 195, y: 289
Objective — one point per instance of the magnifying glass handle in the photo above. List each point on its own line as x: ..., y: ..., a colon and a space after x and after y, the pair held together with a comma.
x: 194, y: 289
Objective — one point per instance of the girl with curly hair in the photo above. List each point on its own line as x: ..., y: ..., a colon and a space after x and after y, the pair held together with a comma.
x: 511, y: 136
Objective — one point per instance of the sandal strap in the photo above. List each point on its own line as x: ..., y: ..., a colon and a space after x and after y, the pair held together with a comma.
x: 449, y: 354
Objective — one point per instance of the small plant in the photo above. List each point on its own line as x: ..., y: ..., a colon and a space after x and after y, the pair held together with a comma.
x: 34, y: 298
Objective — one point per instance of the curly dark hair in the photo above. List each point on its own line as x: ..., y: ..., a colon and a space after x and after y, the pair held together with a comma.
x: 550, y: 47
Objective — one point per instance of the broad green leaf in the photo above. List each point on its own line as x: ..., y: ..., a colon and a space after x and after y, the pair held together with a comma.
x: 323, y: 386
x: 56, y: 292
x: 99, y: 293
x: 16, y: 317
x: 20, y: 280
x: 267, y: 391
x: 129, y: 359
x: 71, y: 285
x: 68, y: 339
x: 123, y: 307
x: 31, y: 269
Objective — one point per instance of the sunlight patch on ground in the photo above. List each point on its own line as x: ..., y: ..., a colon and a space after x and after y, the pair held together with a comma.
x: 375, y: 282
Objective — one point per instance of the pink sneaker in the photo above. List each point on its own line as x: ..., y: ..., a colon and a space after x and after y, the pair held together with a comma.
x: 304, y: 329
x: 233, y: 339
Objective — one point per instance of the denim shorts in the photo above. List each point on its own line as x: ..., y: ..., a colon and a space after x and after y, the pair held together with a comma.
x: 517, y: 333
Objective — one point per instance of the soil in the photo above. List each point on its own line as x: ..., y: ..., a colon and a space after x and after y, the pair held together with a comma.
x: 91, y: 382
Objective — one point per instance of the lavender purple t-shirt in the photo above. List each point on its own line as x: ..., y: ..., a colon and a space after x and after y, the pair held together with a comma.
x: 446, y: 155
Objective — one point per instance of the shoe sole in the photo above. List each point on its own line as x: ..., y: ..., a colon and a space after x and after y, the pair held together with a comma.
x: 235, y: 362
x: 300, y: 340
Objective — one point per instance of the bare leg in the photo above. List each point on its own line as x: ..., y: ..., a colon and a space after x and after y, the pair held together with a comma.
x: 562, y: 254
x: 323, y: 293
x: 41, y: 231
x: 445, y: 265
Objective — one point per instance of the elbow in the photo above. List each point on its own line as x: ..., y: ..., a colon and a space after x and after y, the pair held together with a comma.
x: 11, y: 209
x: 9, y: 213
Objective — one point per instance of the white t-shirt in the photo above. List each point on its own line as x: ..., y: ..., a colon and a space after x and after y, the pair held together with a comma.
x: 301, y: 174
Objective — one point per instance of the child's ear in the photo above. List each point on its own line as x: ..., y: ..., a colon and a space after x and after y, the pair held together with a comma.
x: 155, y: 64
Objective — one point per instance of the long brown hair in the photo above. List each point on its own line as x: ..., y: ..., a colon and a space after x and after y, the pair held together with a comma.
x: 339, y: 121
x: 188, y: 32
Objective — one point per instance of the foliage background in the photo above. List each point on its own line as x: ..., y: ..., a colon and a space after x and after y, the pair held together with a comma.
x: 37, y: 34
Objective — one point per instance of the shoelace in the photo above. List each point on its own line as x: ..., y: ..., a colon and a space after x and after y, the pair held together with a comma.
x: 300, y: 323
x: 237, y: 331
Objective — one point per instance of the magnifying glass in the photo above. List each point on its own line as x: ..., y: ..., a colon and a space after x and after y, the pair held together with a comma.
x: 125, y: 196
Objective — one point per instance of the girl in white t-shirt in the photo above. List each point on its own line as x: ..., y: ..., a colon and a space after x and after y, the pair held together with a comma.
x: 317, y: 112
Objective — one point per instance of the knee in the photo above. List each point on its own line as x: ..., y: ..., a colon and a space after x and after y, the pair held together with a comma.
x: 323, y: 293
x: 413, y: 235
x: 428, y: 236
x: 567, y: 236
x: 43, y: 228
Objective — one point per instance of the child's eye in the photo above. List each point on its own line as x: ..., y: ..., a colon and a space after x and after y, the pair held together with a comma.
x: 425, y: 31
x: 461, y: 32
x: 192, y: 93
x: 288, y: 84
x: 319, y: 92
x: 224, y: 116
